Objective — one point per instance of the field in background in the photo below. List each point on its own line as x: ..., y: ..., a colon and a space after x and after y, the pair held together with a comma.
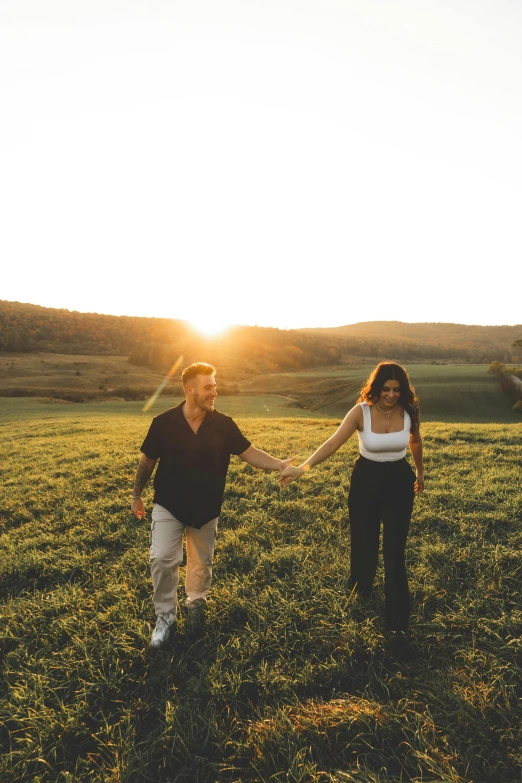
x: 446, y: 392
x: 237, y: 406
x: 44, y: 373
x: 295, y: 679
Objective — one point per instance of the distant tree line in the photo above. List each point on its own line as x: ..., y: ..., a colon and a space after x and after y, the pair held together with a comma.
x: 428, y: 341
x: 25, y: 328
x: 157, y: 342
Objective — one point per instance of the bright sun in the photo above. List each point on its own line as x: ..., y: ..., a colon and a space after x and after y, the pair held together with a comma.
x: 210, y: 327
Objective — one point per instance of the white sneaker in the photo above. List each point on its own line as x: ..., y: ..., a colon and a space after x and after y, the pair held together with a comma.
x: 162, y: 630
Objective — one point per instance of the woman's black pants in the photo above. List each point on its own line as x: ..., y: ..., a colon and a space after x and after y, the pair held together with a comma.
x: 382, y: 491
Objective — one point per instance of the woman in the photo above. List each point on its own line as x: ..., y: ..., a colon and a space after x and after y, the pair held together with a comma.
x: 382, y: 484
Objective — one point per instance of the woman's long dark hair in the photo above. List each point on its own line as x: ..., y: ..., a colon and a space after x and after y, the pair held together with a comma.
x: 391, y: 371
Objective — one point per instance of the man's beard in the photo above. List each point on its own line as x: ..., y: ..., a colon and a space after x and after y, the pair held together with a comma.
x: 202, y: 402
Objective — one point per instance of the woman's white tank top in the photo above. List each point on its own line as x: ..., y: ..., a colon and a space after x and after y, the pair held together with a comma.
x: 382, y: 447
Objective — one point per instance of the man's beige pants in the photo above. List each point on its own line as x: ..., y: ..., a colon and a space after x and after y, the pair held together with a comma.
x: 166, y: 556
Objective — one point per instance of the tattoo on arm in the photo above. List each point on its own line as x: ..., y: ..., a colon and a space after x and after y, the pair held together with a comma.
x: 143, y: 474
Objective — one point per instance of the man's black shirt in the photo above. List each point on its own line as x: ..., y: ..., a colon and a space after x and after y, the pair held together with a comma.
x: 192, y: 469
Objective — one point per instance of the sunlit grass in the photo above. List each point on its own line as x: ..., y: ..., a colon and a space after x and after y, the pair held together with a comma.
x: 294, y: 679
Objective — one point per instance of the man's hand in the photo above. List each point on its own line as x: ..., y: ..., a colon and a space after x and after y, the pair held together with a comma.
x: 284, y: 464
x: 137, y: 508
x: 143, y: 474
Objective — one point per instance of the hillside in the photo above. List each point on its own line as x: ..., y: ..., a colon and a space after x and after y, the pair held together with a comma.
x: 417, y: 341
x: 246, y: 350
x: 447, y: 392
x: 157, y: 342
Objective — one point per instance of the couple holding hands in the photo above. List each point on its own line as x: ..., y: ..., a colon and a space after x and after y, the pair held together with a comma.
x: 192, y: 444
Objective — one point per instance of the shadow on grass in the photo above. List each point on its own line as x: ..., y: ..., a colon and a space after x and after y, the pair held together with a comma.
x: 176, y: 730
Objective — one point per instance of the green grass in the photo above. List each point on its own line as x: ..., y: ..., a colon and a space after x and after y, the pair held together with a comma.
x: 45, y: 372
x: 447, y: 392
x: 294, y: 679
x: 264, y: 406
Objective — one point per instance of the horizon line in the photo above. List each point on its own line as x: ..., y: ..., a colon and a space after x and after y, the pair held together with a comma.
x: 258, y: 325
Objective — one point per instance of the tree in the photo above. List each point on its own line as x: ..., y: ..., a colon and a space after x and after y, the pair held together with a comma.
x: 516, y: 347
x: 497, y: 368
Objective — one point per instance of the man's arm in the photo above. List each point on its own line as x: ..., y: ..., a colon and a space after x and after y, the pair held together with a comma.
x: 260, y: 459
x: 143, y: 474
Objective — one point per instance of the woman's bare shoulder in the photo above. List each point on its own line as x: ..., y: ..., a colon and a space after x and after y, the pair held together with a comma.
x: 356, y: 416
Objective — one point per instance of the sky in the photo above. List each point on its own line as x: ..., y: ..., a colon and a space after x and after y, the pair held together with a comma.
x: 285, y: 163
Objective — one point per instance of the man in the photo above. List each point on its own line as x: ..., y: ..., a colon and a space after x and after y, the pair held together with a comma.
x: 193, y: 443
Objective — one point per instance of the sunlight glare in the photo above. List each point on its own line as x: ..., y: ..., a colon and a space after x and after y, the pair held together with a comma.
x: 209, y: 326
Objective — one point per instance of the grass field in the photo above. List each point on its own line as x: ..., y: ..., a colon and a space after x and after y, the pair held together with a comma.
x: 241, y: 405
x: 295, y: 679
x: 45, y: 372
x: 448, y: 392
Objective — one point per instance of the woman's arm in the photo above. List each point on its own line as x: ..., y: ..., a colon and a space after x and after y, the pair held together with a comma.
x: 351, y: 422
x: 416, y: 453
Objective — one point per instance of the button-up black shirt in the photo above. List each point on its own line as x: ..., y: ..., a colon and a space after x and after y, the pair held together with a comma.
x: 192, y: 469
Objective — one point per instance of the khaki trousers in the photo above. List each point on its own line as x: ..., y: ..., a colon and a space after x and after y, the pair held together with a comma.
x: 166, y: 556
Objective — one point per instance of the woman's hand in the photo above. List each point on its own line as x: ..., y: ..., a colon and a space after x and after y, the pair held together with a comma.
x: 419, y: 484
x: 289, y: 474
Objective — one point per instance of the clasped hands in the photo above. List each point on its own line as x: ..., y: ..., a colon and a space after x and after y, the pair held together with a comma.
x: 289, y: 472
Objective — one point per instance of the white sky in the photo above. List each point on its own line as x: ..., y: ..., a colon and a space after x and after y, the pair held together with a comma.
x: 281, y: 162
